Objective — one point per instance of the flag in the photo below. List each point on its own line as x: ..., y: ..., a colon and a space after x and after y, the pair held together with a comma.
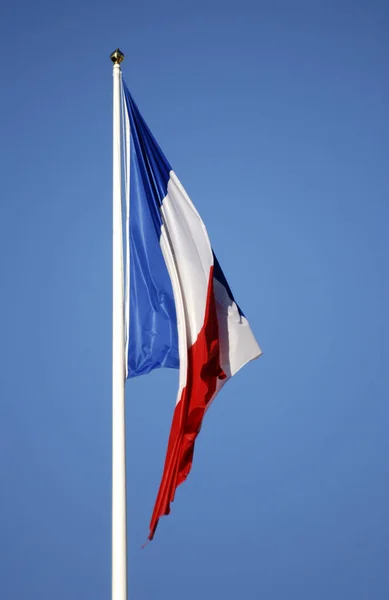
x: 181, y: 312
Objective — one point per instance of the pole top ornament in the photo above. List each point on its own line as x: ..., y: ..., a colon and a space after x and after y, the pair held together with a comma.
x: 117, y: 57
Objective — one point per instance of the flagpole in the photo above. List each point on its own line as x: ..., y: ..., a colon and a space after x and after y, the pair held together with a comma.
x: 119, y: 528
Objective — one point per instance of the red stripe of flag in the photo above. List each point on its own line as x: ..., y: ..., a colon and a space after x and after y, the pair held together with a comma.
x: 203, y: 372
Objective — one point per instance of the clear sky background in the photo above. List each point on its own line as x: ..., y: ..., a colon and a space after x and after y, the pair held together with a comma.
x: 274, y: 114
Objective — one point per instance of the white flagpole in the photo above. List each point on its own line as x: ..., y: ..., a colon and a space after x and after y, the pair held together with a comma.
x: 119, y: 528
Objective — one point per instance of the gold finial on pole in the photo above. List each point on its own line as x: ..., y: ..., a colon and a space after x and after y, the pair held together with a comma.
x: 117, y: 57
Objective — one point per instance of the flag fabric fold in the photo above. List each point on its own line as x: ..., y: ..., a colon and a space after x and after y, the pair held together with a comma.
x: 182, y: 313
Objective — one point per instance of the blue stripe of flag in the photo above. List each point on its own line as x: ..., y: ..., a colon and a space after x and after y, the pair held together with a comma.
x: 153, y: 323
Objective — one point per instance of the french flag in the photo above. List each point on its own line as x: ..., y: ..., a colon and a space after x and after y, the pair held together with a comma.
x: 181, y: 312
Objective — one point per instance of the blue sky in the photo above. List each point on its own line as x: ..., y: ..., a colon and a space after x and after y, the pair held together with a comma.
x: 274, y: 116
